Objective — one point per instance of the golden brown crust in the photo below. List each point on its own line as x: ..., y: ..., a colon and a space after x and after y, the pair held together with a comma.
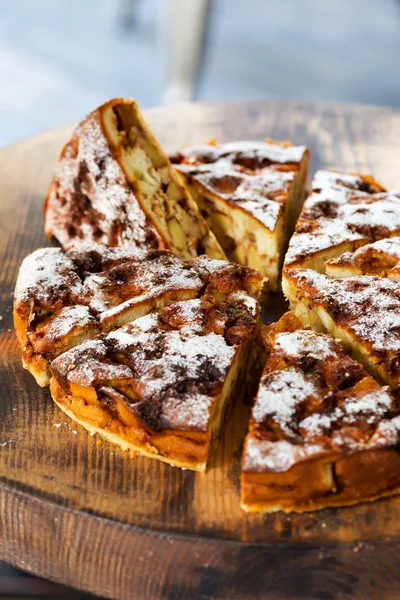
x: 251, y: 194
x: 322, y: 431
x: 62, y: 299
x: 161, y: 385
x: 114, y: 185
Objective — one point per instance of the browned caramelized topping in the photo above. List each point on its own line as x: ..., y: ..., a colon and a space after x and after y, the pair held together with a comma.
x: 364, y: 311
x: 368, y: 306
x: 62, y: 299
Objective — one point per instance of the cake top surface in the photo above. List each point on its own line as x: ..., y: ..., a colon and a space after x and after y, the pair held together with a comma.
x: 253, y: 176
x: 169, y: 367
x: 342, y: 208
x: 313, y: 400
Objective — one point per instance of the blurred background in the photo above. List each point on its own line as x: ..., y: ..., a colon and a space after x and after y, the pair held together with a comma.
x: 59, y: 60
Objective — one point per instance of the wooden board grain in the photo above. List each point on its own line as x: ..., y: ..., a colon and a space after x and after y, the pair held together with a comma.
x: 78, y: 510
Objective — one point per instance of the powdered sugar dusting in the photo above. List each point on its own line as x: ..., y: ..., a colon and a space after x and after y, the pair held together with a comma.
x: 279, y: 395
x: 263, y: 455
x: 142, y: 281
x: 326, y: 407
x: 44, y: 275
x: 305, y: 342
x: 87, y: 365
x: 378, y: 402
x: 330, y: 233
x: 345, y: 183
x: 69, y: 319
x: 369, y: 408
x: 370, y: 258
x: 275, y: 153
x: 62, y: 298
x: 389, y: 246
x: 162, y: 359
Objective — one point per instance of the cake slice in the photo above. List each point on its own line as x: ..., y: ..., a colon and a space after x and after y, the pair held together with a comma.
x: 342, y: 213
x: 322, y: 431
x: 381, y: 259
x: 251, y: 194
x: 63, y: 298
x: 113, y: 184
x: 362, y: 312
x: 161, y: 385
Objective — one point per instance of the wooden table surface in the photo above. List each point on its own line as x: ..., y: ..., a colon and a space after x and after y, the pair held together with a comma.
x: 79, y: 511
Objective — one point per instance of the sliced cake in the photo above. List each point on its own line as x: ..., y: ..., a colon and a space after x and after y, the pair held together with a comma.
x: 342, y: 213
x: 251, y: 194
x: 363, y: 312
x: 63, y: 298
x: 322, y: 431
x: 162, y: 384
x: 381, y: 258
x: 115, y: 185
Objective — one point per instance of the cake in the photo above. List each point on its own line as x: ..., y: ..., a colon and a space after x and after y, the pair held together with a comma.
x: 114, y: 184
x: 342, y: 213
x: 251, y: 194
x: 149, y: 337
x: 162, y: 384
x: 63, y: 298
x: 363, y: 312
x: 381, y: 258
x: 322, y: 431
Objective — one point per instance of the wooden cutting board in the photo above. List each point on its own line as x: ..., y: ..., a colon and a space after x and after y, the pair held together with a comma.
x: 79, y: 511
